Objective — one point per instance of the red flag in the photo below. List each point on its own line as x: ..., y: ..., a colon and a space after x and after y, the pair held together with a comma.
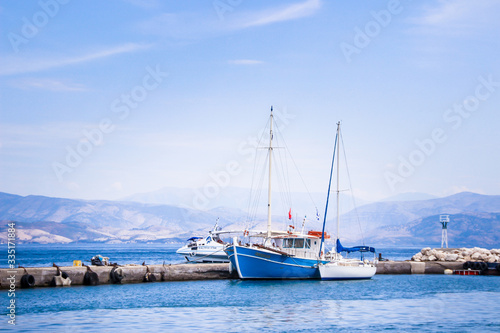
x: 290, y: 214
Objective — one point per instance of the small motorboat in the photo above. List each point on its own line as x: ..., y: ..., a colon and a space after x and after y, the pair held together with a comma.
x: 205, y: 249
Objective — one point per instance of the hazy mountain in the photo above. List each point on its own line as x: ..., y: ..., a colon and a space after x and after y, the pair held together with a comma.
x: 464, y: 230
x: 474, y: 220
x: 373, y: 216
x: 392, y: 222
x: 410, y: 196
x: 239, y: 198
x: 106, y: 220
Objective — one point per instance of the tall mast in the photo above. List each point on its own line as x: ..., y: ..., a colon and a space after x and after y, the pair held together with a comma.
x: 269, y: 187
x: 320, y: 254
x: 338, y: 185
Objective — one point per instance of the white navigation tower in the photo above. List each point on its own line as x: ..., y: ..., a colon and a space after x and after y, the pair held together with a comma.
x: 444, y: 219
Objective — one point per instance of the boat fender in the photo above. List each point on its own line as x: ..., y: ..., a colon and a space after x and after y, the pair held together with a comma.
x: 27, y: 281
x: 148, y: 277
x: 480, y: 266
x: 61, y: 278
x: 90, y: 279
x: 467, y: 265
x: 484, y: 267
x: 116, y: 275
x: 498, y: 267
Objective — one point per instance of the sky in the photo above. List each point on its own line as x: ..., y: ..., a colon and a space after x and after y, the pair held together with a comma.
x: 101, y: 100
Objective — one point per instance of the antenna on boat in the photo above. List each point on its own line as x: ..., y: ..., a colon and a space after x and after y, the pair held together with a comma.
x: 270, y: 162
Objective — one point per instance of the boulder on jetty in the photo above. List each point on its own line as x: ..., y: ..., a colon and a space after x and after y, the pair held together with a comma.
x: 462, y: 254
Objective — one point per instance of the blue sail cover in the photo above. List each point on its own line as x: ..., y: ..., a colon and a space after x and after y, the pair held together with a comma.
x: 340, y: 248
x: 194, y: 238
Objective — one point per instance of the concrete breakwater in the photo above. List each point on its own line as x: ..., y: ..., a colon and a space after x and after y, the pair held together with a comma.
x: 52, y: 276
x: 408, y: 267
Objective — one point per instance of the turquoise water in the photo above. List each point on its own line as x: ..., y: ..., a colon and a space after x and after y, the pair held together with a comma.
x: 423, y: 303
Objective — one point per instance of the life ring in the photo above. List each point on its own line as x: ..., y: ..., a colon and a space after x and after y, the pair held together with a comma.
x: 27, y: 281
x: 90, y: 279
x: 116, y: 275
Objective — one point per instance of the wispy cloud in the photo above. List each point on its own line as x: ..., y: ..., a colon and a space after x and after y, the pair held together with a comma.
x: 193, y: 25
x: 47, y: 84
x: 457, y: 17
x: 245, y: 62
x: 16, y: 65
x: 287, y: 13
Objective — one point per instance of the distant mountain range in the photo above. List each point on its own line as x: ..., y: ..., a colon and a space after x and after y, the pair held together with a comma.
x: 236, y: 197
x: 475, y: 221
x: 417, y: 222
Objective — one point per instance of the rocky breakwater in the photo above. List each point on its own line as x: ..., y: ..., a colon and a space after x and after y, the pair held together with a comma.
x: 475, y: 254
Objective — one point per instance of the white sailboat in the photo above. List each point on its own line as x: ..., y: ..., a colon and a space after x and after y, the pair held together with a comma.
x: 339, y: 268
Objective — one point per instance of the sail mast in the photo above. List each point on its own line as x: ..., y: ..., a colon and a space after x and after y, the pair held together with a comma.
x: 328, y: 197
x: 338, y: 183
x: 269, y: 187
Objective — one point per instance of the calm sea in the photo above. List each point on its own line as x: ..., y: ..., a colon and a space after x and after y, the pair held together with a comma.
x: 419, y: 303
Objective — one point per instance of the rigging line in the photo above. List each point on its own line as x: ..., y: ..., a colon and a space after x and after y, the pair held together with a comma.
x: 255, y: 191
x: 252, y: 187
x: 286, y: 173
x: 350, y: 186
x: 281, y: 190
x: 282, y: 177
x: 258, y: 193
x: 256, y: 160
x: 300, y: 175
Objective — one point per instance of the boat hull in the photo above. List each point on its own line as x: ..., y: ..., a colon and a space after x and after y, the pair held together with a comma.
x: 204, y: 254
x: 253, y: 263
x: 340, y: 272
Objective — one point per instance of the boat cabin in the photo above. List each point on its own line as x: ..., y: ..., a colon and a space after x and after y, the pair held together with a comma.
x: 306, y: 246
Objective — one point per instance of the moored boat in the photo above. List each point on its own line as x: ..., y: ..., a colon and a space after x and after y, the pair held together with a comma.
x: 205, y: 249
x: 291, y: 254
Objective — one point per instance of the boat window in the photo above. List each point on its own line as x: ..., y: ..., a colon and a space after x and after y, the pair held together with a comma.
x: 308, y: 243
x: 299, y: 243
x: 288, y: 242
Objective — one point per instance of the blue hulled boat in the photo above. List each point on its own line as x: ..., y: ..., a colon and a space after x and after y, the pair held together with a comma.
x: 295, y: 255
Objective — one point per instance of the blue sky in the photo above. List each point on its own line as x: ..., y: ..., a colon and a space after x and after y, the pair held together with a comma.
x: 151, y: 94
